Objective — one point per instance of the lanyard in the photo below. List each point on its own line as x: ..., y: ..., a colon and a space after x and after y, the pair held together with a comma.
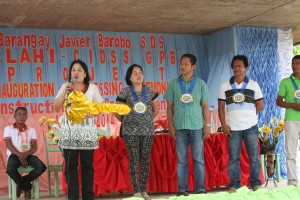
x: 295, y: 87
x: 242, y: 90
x: 136, y: 98
x: 183, y: 88
x: 22, y: 138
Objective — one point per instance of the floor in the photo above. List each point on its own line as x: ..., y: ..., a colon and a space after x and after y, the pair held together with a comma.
x: 117, y: 196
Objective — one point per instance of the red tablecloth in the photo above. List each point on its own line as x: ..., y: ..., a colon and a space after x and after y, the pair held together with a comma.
x: 111, y: 165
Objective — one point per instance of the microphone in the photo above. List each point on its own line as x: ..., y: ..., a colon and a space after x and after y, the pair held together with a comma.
x: 68, y: 105
x: 72, y: 80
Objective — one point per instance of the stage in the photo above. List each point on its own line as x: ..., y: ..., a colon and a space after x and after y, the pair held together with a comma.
x: 157, y: 195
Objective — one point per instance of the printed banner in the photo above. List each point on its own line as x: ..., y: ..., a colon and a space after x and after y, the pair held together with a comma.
x: 34, y: 63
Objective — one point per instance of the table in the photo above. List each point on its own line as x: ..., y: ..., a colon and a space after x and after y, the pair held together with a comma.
x: 111, y: 165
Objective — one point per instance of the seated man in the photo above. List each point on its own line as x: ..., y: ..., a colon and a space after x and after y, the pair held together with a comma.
x: 21, y: 143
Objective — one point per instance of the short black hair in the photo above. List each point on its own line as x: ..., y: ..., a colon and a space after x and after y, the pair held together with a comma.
x: 192, y: 58
x: 20, y: 108
x: 296, y: 57
x: 85, y: 68
x: 129, y: 73
x: 240, y: 57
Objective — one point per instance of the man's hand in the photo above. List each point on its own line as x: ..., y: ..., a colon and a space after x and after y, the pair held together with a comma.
x: 22, y: 156
x: 172, y: 131
x: 281, y: 103
x: 206, y: 132
x: 296, y: 106
x: 226, y: 130
x: 24, y: 163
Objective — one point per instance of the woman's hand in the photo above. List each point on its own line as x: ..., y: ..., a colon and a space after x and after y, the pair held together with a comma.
x: 172, y: 131
x: 89, y: 115
x: 69, y: 87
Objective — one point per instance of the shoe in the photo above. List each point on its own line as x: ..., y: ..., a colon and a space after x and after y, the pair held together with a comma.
x: 19, y: 191
x: 232, y: 190
x: 182, y: 194
x: 27, y: 194
x: 201, y: 192
x: 256, y: 187
x: 138, y: 195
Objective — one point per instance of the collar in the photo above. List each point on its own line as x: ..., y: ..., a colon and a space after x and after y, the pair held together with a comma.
x: 293, y: 77
x: 83, y: 90
x: 232, y: 80
x: 181, y: 77
x: 22, y: 130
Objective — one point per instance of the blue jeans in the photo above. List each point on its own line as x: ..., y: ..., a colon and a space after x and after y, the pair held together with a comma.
x: 185, y: 137
x: 234, y: 145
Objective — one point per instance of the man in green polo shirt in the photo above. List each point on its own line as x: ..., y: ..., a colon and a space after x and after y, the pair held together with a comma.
x: 188, y: 113
x: 289, y: 98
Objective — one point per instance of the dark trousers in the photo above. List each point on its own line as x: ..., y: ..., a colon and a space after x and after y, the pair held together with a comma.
x: 139, y: 151
x: 24, y: 182
x: 87, y: 173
